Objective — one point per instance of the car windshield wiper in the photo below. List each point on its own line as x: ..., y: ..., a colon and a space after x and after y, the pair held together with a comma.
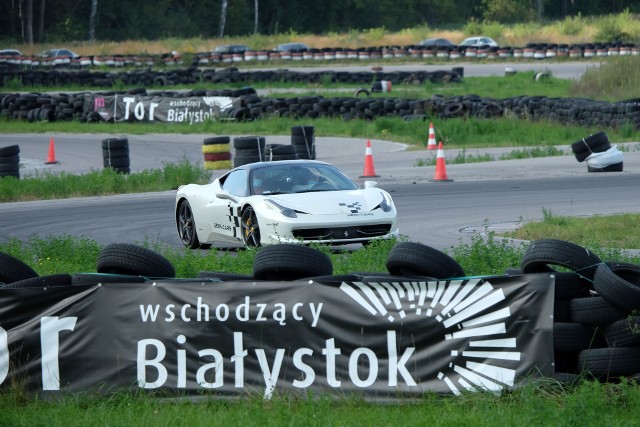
x: 270, y: 193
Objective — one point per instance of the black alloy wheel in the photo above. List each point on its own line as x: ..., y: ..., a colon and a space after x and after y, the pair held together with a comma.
x: 250, y: 228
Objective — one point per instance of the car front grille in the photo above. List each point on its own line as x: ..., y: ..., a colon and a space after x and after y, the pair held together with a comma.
x: 342, y: 233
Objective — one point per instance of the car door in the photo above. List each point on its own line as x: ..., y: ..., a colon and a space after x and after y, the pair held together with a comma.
x: 223, y: 211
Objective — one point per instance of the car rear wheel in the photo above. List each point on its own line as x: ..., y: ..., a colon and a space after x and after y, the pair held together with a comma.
x: 250, y: 228
x: 187, y: 226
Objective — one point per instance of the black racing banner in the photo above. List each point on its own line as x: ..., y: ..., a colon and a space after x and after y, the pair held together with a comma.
x: 143, y: 108
x: 184, y: 337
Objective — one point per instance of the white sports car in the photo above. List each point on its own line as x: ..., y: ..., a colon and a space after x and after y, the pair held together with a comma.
x: 289, y: 201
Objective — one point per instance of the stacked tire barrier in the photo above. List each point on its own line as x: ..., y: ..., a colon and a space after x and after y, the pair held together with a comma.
x: 595, y: 331
x: 596, y: 326
x: 276, y: 152
x: 115, y: 154
x: 598, y: 153
x: 10, y: 161
x: 248, y: 149
x: 569, y: 111
x: 217, y: 152
x: 304, y: 141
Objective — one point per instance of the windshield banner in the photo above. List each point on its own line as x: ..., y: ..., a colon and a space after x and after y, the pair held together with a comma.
x: 142, y: 108
x: 380, y: 340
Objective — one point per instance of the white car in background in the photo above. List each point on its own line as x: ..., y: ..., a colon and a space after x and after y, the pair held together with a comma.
x: 477, y: 41
x: 288, y: 201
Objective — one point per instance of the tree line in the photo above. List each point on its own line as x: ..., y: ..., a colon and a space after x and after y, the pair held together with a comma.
x: 48, y: 21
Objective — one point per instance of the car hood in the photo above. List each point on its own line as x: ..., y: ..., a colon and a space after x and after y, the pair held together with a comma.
x: 331, y: 202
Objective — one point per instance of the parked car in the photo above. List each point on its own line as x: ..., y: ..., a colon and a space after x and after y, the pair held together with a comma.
x: 479, y: 41
x: 231, y: 48
x: 292, y: 47
x: 52, y: 53
x: 436, y: 42
x: 285, y: 201
x: 10, y: 52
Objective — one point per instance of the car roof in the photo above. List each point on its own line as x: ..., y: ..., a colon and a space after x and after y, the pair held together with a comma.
x: 260, y: 165
x: 10, y: 52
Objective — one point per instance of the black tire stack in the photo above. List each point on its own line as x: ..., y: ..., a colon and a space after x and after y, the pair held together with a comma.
x: 248, y: 149
x: 275, y: 152
x: 10, y: 161
x: 595, y: 329
x: 115, y: 154
x: 304, y: 140
x: 592, y: 144
x: 217, y: 153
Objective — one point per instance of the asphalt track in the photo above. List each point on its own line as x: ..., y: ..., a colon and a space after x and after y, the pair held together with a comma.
x: 482, y: 197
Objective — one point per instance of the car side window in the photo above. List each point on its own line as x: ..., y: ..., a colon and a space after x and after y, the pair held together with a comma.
x: 236, y: 183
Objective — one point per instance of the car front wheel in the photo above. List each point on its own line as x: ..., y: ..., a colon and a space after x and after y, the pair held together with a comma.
x: 187, y: 226
x: 250, y: 228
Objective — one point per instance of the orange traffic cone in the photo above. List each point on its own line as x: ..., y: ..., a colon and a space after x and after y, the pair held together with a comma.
x: 441, y: 168
x: 369, y: 169
x: 51, y: 158
x: 431, y: 144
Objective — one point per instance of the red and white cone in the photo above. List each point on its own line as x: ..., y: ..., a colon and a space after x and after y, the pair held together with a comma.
x: 441, y: 168
x: 51, y: 157
x: 369, y: 169
x: 431, y: 144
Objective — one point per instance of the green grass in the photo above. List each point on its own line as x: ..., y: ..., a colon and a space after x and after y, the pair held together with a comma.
x: 549, y: 404
x: 613, y: 231
x: 106, y: 181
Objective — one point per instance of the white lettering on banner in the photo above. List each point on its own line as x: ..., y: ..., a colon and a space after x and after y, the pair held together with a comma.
x: 362, y: 365
x: 50, y: 328
x: 244, y: 312
x: 184, y: 115
x: 4, y: 355
x: 138, y: 108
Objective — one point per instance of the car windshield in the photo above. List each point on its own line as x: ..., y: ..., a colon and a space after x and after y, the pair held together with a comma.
x: 287, y: 179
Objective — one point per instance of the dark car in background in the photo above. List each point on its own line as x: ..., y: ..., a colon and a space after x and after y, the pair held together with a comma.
x: 292, y: 47
x: 436, y: 42
x: 231, y: 48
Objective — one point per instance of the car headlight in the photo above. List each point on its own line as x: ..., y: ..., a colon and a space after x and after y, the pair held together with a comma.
x: 288, y: 212
x: 387, y: 203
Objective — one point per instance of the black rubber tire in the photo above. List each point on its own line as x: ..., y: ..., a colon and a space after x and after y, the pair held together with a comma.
x: 216, y: 140
x: 595, y: 311
x: 10, y: 160
x: 42, y: 281
x: 290, y: 262
x: 279, y: 150
x: 619, y: 284
x: 9, y: 167
x: 9, y: 150
x: 541, y: 256
x: 187, y: 226
x: 623, y: 333
x: 571, y: 285
x: 245, y: 160
x: 595, y: 143
x: 244, y: 142
x: 416, y: 259
x: 126, y: 258
x: 576, y: 337
x: 567, y: 378
x: 12, y: 269
x: 250, y: 228
x: 95, y: 278
x: 610, y: 362
x: 616, y: 167
x: 562, y: 310
x: 115, y: 143
x: 223, y: 276
x: 118, y: 162
x: 115, y: 153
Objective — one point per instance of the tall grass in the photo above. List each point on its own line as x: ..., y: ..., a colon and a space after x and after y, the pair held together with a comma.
x: 615, y: 79
x: 63, y: 185
x: 621, y: 26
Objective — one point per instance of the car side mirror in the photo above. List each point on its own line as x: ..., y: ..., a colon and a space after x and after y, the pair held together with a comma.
x: 226, y: 196
x: 370, y: 184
